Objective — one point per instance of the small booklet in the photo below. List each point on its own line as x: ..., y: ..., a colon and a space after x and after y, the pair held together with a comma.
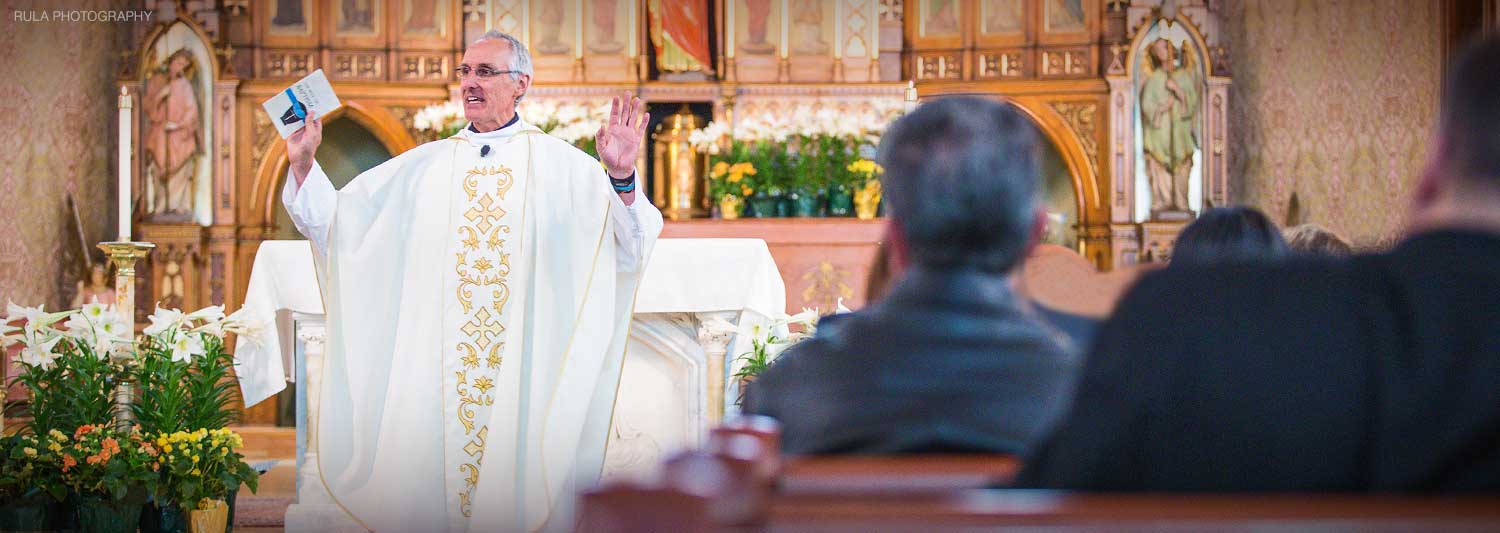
x: 288, y: 109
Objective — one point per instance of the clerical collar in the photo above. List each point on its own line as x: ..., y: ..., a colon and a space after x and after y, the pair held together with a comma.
x: 514, y: 118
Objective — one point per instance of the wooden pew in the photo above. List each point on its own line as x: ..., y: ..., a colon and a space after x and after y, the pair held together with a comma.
x: 897, y: 474
x: 990, y: 508
x: 725, y: 487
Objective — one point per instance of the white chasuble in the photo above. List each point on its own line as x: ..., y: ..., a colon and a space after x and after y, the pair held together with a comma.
x: 477, y: 325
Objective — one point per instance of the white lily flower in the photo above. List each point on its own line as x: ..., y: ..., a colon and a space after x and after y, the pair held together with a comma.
x: 13, y: 311
x: 164, y: 320
x: 8, y: 335
x: 213, y: 312
x: 40, y: 354
x: 185, y: 347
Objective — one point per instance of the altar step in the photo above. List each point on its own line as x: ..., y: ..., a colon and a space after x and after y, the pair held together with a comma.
x: 263, y: 443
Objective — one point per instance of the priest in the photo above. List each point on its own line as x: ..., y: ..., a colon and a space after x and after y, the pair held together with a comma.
x: 479, y: 290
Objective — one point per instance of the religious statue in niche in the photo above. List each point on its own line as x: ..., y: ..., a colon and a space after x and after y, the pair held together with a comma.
x: 807, y: 22
x: 679, y: 32
x: 550, y: 20
x: 758, y: 16
x: 1169, y: 83
x: 172, y: 136
x: 603, y: 40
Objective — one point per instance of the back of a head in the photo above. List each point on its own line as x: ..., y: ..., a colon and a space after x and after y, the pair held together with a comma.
x: 961, y: 183
x: 1470, y: 116
x: 1228, y: 234
x: 1312, y: 239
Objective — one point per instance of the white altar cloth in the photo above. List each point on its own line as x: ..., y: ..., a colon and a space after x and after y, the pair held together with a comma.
x: 683, y: 276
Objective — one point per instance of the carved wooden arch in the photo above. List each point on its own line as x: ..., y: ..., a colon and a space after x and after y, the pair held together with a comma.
x: 160, y: 30
x: 386, y: 128
x: 1070, y: 146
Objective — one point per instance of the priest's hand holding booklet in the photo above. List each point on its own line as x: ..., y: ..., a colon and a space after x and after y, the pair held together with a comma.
x: 295, y: 111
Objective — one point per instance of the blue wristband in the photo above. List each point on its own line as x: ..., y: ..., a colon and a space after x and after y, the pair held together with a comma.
x: 625, y: 189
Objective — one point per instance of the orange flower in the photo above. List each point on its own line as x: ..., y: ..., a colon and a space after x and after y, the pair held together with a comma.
x: 69, y: 462
x: 111, y: 446
x: 93, y: 459
x: 82, y: 430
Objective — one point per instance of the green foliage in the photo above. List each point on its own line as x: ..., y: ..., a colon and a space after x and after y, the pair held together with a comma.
x: 30, y: 469
x: 202, y: 464
x: 100, y: 461
x: 77, y: 389
x: 184, y: 395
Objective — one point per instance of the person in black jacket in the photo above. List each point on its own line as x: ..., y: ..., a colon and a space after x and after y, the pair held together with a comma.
x: 947, y: 361
x: 1373, y: 373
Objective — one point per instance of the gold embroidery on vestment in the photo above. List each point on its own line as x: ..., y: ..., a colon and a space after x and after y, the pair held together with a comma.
x: 484, y: 268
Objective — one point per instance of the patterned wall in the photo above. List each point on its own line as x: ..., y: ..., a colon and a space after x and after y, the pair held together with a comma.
x: 58, y: 105
x: 1332, y: 101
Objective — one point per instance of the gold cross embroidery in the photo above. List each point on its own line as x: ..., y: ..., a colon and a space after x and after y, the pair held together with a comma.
x: 481, y: 328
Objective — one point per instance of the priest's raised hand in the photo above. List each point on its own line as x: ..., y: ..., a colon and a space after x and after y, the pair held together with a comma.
x: 301, y: 146
x: 619, y: 142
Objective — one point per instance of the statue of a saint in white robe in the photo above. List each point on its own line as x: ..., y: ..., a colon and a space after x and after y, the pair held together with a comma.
x: 478, y: 302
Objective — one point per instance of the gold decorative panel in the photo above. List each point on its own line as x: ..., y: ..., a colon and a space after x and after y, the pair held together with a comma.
x: 425, y: 67
x: 286, y: 63
x: 1066, y: 63
x: 357, y: 66
x: 1009, y: 64
x: 940, y: 66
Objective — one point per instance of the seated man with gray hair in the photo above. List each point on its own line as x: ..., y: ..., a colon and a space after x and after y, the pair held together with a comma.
x: 949, y: 360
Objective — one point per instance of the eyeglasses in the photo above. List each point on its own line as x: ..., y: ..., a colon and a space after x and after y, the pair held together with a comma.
x: 482, y: 72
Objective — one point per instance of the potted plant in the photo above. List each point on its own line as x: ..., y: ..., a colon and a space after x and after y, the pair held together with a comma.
x: 806, y: 170
x: 69, y: 371
x: 765, y: 186
x: 200, y: 469
x: 186, y: 387
x: 31, y: 488
x: 766, y: 343
x: 727, y: 183
x: 841, y: 181
x: 867, y: 194
x: 108, y: 473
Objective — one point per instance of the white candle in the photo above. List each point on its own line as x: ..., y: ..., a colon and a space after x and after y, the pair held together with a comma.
x: 125, y: 107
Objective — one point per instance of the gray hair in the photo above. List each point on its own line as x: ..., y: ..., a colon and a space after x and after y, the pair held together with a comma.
x: 520, y: 57
x: 961, y: 182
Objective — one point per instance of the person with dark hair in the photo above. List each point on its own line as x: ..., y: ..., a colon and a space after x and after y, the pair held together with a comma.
x: 1312, y: 239
x: 1372, y: 373
x: 1228, y: 234
x: 948, y: 360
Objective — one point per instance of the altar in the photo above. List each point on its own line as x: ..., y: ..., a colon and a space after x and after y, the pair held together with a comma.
x: 699, y: 301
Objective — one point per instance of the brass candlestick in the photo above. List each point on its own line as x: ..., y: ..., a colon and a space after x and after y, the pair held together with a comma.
x: 124, y: 255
